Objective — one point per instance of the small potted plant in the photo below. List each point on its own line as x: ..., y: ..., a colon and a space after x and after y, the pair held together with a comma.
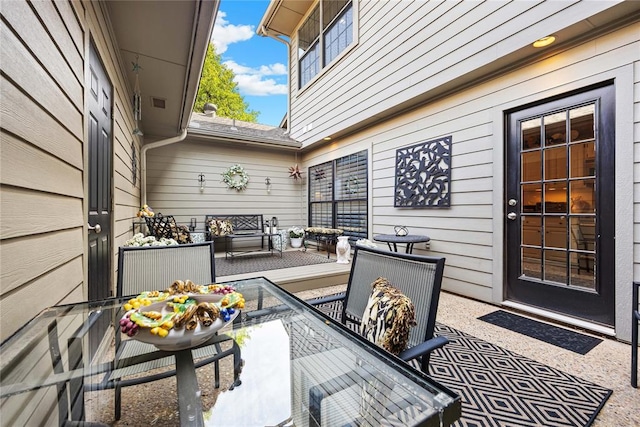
x: 296, y: 234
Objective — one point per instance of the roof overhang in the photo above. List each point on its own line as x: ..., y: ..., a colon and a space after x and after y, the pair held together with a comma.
x: 283, y: 16
x: 169, y: 40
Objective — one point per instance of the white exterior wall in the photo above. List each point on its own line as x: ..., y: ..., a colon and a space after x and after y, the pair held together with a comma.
x: 404, y: 50
x: 470, y: 233
x: 173, y: 189
x: 45, y: 49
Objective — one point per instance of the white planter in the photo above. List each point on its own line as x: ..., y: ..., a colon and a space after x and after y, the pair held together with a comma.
x: 343, y: 250
x: 296, y: 242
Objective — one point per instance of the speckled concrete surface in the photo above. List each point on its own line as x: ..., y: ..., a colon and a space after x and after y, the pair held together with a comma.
x: 607, y: 365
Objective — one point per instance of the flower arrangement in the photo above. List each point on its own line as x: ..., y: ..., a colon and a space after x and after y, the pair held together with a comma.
x: 140, y: 239
x: 145, y: 210
x: 296, y: 232
x: 236, y: 178
x: 366, y: 243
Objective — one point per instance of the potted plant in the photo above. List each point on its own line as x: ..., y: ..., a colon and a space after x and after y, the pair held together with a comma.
x: 296, y: 234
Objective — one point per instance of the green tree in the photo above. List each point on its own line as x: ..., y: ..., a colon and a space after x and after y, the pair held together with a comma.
x: 217, y: 87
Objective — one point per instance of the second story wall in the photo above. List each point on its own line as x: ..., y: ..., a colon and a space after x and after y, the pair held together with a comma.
x: 405, y: 53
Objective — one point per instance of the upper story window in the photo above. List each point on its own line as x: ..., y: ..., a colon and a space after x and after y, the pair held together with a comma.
x: 318, y: 44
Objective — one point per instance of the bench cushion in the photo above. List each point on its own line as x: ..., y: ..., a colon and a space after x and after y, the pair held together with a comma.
x: 218, y: 227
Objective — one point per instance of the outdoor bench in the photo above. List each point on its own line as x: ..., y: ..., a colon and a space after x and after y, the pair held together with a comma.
x: 322, y: 234
x: 231, y: 227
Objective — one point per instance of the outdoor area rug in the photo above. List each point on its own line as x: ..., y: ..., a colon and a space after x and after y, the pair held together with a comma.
x: 264, y: 262
x: 498, y: 387
x: 560, y: 337
x: 502, y: 388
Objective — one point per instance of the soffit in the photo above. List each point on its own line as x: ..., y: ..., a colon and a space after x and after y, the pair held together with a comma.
x: 169, y: 38
x: 283, y: 16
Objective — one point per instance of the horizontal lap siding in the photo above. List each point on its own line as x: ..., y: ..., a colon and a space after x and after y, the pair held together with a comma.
x: 465, y: 233
x: 42, y: 158
x: 406, y: 49
x: 173, y: 189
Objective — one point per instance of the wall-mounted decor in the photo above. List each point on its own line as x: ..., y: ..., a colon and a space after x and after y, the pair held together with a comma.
x: 236, y: 178
x: 423, y: 175
x: 134, y: 164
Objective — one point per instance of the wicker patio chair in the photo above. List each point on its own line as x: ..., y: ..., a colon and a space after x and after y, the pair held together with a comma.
x: 156, y: 268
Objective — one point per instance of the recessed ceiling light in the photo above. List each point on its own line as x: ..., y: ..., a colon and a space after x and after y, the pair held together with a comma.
x: 327, y: 138
x: 545, y: 41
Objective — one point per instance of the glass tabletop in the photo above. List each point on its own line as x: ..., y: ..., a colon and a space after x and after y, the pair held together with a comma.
x: 286, y: 364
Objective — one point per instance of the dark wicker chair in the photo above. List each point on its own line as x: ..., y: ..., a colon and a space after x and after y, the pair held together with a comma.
x: 165, y: 226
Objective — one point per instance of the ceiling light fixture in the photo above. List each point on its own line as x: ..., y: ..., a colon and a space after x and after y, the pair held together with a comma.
x: 545, y: 41
x: 327, y: 138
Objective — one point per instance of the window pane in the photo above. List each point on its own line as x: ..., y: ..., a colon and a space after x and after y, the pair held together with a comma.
x: 531, y: 170
x: 583, y: 196
x: 338, y: 196
x: 338, y: 36
x: 321, y: 215
x: 331, y: 9
x: 583, y: 157
x: 309, y: 32
x: 351, y: 177
x: 321, y: 183
x: 582, y: 122
x: 351, y: 217
x: 309, y: 65
x: 531, y: 134
x: 555, y: 128
x: 555, y: 163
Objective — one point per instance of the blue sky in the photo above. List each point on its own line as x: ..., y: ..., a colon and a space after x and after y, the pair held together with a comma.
x: 259, y: 63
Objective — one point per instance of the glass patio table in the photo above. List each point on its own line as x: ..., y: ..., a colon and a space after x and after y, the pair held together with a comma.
x: 299, y: 368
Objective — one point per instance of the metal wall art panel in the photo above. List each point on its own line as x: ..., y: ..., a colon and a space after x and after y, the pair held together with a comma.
x: 423, y: 175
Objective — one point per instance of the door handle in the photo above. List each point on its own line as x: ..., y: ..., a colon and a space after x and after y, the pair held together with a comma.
x: 512, y: 216
x: 97, y: 228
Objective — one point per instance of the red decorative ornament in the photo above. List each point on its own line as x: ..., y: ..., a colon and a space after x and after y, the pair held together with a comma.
x: 294, y: 172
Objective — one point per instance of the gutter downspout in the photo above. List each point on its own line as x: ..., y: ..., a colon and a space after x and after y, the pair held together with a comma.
x: 265, y: 32
x: 143, y: 160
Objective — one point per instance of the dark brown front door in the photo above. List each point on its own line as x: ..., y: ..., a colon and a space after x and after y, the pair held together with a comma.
x: 99, y: 171
x: 559, y: 209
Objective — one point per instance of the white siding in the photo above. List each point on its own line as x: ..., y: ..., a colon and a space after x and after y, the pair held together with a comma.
x: 407, y: 49
x: 44, y: 47
x: 173, y: 189
x: 469, y: 234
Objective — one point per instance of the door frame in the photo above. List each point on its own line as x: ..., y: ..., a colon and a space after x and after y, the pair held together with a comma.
x: 606, y: 90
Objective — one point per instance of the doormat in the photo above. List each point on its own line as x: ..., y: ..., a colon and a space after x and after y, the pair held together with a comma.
x: 560, y: 337
x: 498, y: 387
x: 265, y: 262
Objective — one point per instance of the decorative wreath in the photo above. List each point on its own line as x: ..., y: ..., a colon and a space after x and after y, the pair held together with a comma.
x: 352, y: 185
x: 236, y: 178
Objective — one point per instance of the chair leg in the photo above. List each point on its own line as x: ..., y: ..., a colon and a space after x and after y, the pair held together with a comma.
x: 635, y: 319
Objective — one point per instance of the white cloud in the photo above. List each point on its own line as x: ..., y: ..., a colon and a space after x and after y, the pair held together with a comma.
x: 225, y: 34
x: 252, y: 81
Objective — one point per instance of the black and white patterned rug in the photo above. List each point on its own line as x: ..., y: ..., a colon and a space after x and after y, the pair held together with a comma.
x: 265, y: 262
x: 501, y: 388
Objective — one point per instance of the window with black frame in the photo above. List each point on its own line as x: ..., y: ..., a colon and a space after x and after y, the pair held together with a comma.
x: 319, y: 44
x: 338, y: 195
